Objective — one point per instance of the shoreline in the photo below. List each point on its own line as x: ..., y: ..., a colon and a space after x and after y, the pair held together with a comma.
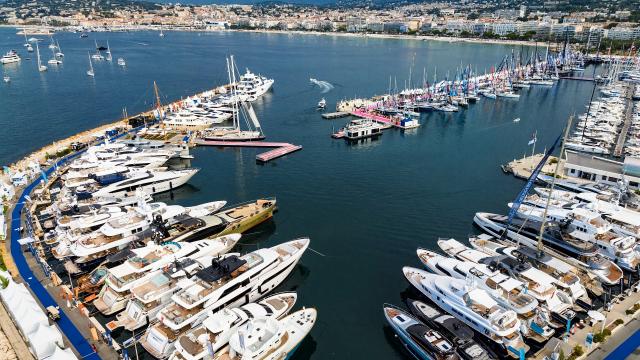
x: 299, y: 32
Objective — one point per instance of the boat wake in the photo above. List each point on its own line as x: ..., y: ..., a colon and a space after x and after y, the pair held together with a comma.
x: 324, y: 86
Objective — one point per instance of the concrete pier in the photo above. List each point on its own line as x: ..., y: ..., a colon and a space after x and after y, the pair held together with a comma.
x: 522, y: 168
x: 628, y: 117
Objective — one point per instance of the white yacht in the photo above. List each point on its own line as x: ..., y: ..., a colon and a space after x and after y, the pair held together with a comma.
x: 268, y: 338
x: 588, y: 226
x: 230, y: 282
x: 474, y: 306
x: 576, y: 252
x: 216, y: 330
x: 122, y: 62
x: 139, y: 267
x: 506, y: 290
x: 568, y: 278
x: 10, y: 57
x: 252, y: 86
x: 150, y: 181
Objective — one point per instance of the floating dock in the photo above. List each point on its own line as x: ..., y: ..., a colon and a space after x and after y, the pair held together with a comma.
x: 386, y: 121
x: 335, y: 115
x: 281, y: 149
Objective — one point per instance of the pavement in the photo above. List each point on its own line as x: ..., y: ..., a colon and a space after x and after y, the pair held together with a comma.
x: 618, y: 336
x: 12, y: 345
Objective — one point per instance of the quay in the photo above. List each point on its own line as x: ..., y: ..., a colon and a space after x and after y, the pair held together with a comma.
x: 628, y: 117
x: 335, y: 115
x: 281, y: 149
x: 522, y: 168
x: 577, y: 78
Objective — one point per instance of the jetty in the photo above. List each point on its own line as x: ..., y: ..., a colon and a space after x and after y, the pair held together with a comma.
x: 335, y: 115
x: 522, y: 168
x: 385, y: 121
x: 628, y: 117
x: 281, y: 149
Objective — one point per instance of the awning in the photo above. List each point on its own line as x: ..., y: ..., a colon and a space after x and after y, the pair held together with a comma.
x: 27, y: 240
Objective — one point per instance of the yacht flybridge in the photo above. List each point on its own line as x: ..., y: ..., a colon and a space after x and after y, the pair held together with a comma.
x: 231, y: 281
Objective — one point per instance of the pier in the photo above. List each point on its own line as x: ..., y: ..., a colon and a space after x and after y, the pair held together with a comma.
x: 628, y: 117
x: 384, y: 120
x: 522, y: 168
x: 335, y: 115
x: 282, y: 149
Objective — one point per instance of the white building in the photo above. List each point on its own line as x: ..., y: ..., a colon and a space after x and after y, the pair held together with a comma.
x: 504, y: 28
x: 595, y: 168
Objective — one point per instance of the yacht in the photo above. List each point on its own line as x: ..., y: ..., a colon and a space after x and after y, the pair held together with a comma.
x: 252, y: 86
x: 150, y: 181
x: 585, y: 225
x: 568, y: 278
x: 452, y: 328
x: 420, y: 340
x: 10, y: 57
x: 507, y: 94
x: 526, y: 233
x: 216, y: 330
x: 136, y: 270
x: 506, y: 290
x: 361, y: 129
x: 97, y: 56
x: 90, y: 72
x: 473, y: 306
x: 41, y: 67
x: 230, y: 282
x: 122, y: 62
x: 154, y: 294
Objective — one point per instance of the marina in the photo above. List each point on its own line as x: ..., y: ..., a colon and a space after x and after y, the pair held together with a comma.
x: 554, y: 309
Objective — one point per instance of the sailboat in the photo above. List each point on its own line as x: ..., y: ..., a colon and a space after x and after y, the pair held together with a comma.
x: 97, y: 55
x: 6, y: 77
x: 109, y: 58
x: 54, y: 60
x: 90, y: 71
x: 52, y: 46
x: 40, y: 66
x: 161, y: 33
x: 27, y: 45
x: 59, y: 53
x: 234, y: 133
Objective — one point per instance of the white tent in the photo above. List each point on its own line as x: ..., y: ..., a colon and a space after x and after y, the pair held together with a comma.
x: 63, y: 354
x: 44, y: 341
x: 14, y: 295
x: 29, y: 316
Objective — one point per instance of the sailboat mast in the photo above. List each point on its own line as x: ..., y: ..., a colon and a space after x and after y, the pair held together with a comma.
x: 553, y: 183
x: 158, y: 103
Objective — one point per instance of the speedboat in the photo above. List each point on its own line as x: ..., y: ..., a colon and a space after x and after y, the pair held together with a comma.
x: 420, y: 340
x: 216, y: 330
x: 322, y: 104
x: 230, y: 282
x: 474, y: 306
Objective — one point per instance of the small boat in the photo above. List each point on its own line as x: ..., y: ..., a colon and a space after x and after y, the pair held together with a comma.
x: 322, y: 104
x: 420, y: 340
x: 97, y: 55
x: 90, y: 71
x: 6, y: 79
x: 516, y: 120
x: 121, y: 62
x: 84, y: 35
x: 161, y: 33
x: 59, y: 53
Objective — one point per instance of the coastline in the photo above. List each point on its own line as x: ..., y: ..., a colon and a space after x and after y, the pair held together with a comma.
x: 300, y: 32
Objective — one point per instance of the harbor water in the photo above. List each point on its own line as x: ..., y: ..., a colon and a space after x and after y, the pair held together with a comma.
x: 366, y: 206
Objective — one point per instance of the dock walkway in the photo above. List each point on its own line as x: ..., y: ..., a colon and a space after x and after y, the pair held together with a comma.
x: 335, y: 115
x: 386, y: 121
x: 622, y: 137
x: 281, y: 149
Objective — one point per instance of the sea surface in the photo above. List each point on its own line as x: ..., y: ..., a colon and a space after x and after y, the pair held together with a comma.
x: 366, y: 206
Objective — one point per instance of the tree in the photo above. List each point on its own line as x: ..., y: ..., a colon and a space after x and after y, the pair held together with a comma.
x: 465, y: 33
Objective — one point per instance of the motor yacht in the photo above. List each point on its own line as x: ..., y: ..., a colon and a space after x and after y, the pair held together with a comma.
x: 10, y: 57
x: 150, y: 181
x: 422, y: 341
x: 526, y: 233
x: 460, y: 334
x: 474, y: 306
x: 216, y: 330
x: 230, y: 282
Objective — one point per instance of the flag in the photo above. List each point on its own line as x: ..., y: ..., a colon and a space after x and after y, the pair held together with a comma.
x: 533, y: 140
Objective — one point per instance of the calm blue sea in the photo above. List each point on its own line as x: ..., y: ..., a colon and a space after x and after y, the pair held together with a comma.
x: 366, y: 207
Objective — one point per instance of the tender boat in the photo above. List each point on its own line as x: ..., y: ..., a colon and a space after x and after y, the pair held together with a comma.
x: 10, y: 57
